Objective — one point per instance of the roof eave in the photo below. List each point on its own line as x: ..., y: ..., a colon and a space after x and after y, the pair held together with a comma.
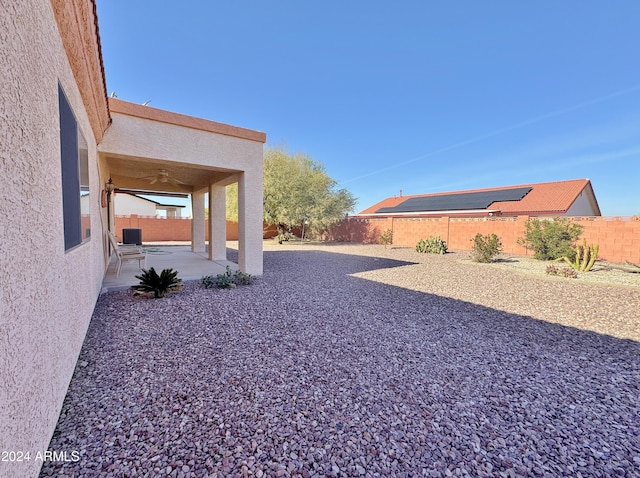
x: 118, y: 106
x: 472, y: 212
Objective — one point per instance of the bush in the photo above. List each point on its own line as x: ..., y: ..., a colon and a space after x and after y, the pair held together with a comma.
x: 551, y: 240
x: 228, y: 280
x: 150, y: 281
x: 386, y: 237
x: 551, y: 270
x: 433, y: 245
x: 285, y: 236
x: 485, y: 248
x: 564, y: 272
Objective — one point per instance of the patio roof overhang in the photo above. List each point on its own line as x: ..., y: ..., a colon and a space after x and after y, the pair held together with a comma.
x: 147, y: 149
x: 186, y: 154
x: 141, y: 174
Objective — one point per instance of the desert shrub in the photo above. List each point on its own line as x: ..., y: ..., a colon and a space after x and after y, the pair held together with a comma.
x: 285, y: 236
x: 432, y: 245
x: 568, y: 272
x: 551, y: 270
x: 209, y: 282
x: 228, y: 280
x: 564, y: 272
x: 485, y: 248
x: 386, y: 237
x: 150, y: 281
x: 551, y: 240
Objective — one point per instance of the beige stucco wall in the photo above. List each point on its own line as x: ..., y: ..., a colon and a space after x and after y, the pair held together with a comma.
x: 47, y: 295
x: 142, y: 138
x: 250, y: 221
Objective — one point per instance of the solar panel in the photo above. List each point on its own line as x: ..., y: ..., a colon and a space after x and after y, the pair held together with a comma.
x: 457, y: 201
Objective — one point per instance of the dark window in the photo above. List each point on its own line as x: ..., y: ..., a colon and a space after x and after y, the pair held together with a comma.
x: 75, y: 177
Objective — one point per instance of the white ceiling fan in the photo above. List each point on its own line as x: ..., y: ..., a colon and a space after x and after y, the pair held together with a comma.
x: 163, y: 178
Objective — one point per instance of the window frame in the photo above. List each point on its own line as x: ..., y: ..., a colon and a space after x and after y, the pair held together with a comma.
x: 74, y: 167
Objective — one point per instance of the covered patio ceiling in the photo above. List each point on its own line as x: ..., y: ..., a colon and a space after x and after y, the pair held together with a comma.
x: 154, y: 175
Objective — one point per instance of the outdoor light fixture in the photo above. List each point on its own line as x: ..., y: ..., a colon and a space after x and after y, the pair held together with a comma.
x: 105, y: 196
x: 110, y: 187
x: 108, y: 190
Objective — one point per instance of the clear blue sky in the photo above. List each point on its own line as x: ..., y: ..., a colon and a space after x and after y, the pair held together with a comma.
x: 423, y: 96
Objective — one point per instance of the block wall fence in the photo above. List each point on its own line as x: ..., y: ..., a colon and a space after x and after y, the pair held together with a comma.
x: 618, y: 237
x: 171, y: 229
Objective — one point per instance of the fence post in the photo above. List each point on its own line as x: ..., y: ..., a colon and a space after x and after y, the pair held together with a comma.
x: 448, y: 223
x: 520, y: 222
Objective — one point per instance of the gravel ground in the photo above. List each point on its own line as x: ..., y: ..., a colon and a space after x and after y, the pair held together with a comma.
x: 360, y: 361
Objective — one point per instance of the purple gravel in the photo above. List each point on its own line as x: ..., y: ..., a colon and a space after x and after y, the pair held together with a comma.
x: 313, y: 372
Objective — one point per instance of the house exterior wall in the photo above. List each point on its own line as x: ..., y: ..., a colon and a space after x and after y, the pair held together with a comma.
x: 582, y: 206
x: 618, y: 237
x: 169, y: 212
x: 47, y: 294
x: 125, y: 204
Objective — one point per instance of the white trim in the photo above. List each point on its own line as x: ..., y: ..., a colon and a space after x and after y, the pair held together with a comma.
x: 431, y: 213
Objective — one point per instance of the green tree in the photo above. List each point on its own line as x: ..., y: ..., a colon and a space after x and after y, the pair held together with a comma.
x: 299, y: 192
x: 232, y: 202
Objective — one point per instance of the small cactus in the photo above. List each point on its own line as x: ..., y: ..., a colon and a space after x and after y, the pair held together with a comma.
x: 585, y: 257
x: 433, y: 245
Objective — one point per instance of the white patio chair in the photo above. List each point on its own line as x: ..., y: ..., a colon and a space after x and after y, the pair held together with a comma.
x: 127, y: 252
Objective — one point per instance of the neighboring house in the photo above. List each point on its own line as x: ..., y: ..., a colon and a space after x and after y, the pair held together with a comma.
x: 559, y: 198
x: 127, y: 204
x: 61, y: 141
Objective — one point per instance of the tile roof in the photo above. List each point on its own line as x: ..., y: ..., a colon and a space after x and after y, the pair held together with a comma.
x: 544, y: 198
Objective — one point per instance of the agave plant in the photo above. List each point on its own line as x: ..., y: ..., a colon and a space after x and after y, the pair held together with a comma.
x: 150, y: 281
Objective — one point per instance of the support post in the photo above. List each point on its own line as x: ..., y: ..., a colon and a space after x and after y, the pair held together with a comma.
x: 217, y: 223
x: 250, y: 219
x: 197, y: 222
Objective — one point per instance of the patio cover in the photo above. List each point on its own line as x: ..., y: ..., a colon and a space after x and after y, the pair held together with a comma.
x: 198, y: 156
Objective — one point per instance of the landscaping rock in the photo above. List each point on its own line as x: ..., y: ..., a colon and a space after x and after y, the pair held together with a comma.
x: 360, y: 361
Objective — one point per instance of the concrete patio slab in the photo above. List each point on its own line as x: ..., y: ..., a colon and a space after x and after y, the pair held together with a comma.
x: 190, y: 266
